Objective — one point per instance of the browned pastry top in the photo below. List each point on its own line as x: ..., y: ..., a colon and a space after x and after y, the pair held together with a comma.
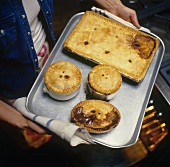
x: 96, y: 116
x: 63, y: 77
x: 107, y: 41
x: 105, y: 79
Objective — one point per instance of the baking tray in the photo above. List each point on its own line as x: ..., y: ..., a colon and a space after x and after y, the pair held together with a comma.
x: 131, y: 100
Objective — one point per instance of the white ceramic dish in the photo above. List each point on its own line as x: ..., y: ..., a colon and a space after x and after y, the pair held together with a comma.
x: 61, y: 97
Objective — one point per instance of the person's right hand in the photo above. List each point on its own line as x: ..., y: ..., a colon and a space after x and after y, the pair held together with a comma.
x: 10, y: 115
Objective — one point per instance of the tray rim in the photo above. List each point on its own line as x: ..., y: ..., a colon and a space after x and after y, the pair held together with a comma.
x: 149, y: 93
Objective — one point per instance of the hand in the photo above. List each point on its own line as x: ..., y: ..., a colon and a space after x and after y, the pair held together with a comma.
x: 117, y: 8
x: 12, y: 116
x: 30, y: 125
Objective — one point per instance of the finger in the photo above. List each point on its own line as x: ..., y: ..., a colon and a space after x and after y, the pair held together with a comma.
x: 134, y: 20
x: 35, y: 127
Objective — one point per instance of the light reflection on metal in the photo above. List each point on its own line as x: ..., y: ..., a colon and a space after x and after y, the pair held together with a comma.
x: 153, y: 130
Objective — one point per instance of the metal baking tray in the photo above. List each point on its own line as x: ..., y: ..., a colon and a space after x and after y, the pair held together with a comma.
x: 131, y: 100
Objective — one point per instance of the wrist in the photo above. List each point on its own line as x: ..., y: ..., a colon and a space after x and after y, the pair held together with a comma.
x: 10, y: 115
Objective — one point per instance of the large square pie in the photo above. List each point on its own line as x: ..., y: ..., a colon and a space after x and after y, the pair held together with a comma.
x: 106, y: 41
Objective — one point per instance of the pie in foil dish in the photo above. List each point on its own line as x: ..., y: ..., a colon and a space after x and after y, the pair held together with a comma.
x: 104, y: 81
x: 62, y: 80
x: 106, y: 41
x: 97, y: 116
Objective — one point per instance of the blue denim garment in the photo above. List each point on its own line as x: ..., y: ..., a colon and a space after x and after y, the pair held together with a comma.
x: 18, y: 59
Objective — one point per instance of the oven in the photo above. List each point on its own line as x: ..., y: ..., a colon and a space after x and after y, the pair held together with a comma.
x: 153, y: 146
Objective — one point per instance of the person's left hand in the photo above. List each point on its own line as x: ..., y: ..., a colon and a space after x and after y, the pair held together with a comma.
x: 117, y: 8
x: 126, y: 14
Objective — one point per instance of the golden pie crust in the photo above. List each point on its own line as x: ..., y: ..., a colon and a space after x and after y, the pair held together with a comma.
x: 63, y: 77
x: 96, y: 116
x: 104, y: 79
x: 106, y: 41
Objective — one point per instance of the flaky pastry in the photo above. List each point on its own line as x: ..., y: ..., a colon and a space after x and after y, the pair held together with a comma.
x: 106, y: 41
x: 96, y: 116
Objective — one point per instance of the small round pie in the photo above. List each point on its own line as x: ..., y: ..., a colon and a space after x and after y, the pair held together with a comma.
x: 104, y: 81
x: 62, y: 80
x: 96, y: 116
